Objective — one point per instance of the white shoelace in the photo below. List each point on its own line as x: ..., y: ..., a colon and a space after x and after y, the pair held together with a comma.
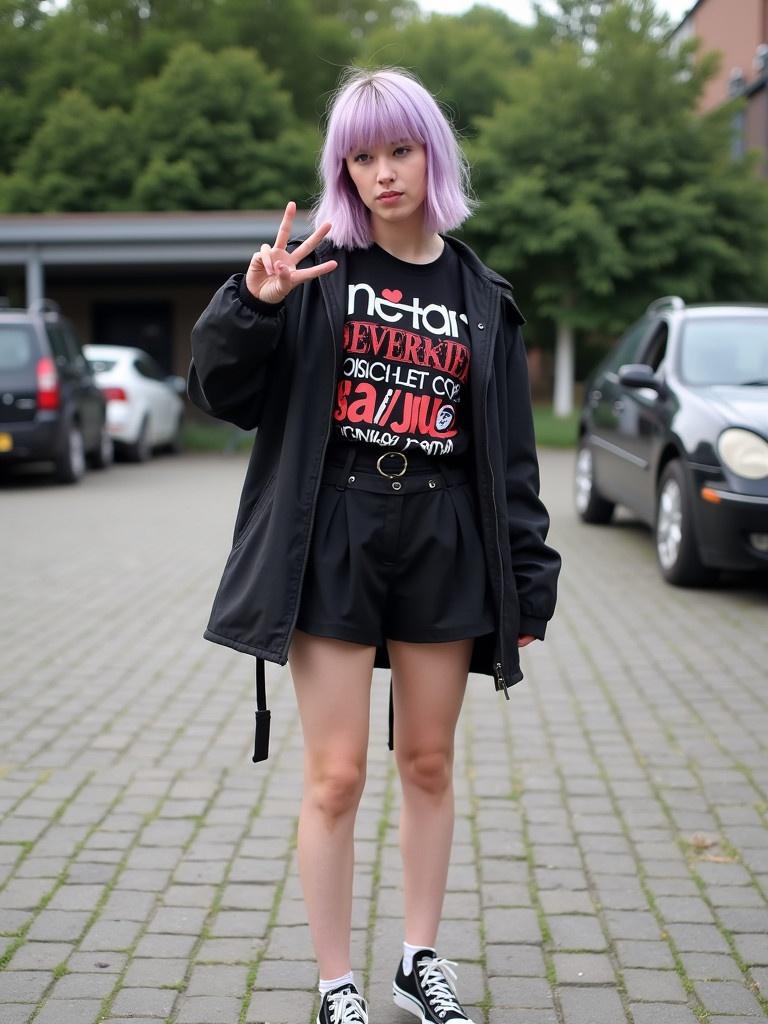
x: 347, y: 1008
x: 436, y: 985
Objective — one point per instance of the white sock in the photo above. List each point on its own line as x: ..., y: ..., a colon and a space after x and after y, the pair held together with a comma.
x: 408, y: 951
x: 326, y: 984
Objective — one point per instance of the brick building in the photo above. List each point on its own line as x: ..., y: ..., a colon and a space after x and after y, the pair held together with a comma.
x: 738, y: 29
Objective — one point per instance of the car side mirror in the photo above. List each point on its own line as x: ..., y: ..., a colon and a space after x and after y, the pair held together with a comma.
x: 639, y: 375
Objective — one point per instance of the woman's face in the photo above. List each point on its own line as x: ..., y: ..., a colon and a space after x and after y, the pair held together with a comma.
x: 391, y: 179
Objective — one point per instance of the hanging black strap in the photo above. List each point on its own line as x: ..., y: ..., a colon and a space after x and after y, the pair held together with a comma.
x: 261, y: 740
x: 391, y: 742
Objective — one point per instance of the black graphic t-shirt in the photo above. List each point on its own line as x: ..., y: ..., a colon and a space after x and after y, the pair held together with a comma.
x: 404, y: 378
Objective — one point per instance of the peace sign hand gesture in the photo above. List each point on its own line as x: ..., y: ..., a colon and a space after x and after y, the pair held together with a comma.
x: 272, y: 272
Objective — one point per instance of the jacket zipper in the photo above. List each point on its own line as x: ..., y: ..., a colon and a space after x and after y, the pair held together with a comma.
x: 317, y: 485
x: 497, y: 668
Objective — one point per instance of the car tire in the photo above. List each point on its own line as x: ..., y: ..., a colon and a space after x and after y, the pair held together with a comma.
x: 71, y: 462
x: 677, y: 552
x: 140, y: 450
x: 591, y: 506
x: 104, y: 455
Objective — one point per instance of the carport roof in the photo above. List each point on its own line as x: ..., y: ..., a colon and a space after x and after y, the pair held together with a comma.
x: 181, y: 237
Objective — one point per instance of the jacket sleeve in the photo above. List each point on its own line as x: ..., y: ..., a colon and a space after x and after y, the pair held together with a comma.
x: 536, y: 565
x: 232, y: 342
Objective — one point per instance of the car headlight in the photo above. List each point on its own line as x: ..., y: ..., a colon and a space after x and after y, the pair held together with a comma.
x: 744, y: 453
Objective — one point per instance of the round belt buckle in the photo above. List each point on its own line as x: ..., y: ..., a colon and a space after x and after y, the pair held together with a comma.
x: 384, y: 472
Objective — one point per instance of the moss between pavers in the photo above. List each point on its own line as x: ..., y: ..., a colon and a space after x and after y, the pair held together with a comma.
x: 486, y: 1003
x: 699, y: 1010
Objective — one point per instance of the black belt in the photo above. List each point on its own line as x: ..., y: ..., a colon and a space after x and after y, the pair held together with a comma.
x: 392, y: 472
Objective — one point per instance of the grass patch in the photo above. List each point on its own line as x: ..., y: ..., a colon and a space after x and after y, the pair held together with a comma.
x: 555, y: 431
x: 197, y: 436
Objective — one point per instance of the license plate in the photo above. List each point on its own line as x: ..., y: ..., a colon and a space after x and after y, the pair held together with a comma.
x: 6, y: 442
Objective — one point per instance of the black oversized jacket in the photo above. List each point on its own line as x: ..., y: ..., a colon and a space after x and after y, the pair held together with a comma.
x: 274, y: 366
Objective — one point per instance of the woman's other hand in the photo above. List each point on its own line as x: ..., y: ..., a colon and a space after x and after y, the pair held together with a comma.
x: 523, y: 641
x: 272, y: 272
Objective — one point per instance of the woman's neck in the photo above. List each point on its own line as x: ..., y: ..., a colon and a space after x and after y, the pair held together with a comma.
x: 407, y: 242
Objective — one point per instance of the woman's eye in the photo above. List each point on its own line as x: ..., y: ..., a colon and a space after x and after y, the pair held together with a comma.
x: 361, y: 158
x: 403, y: 149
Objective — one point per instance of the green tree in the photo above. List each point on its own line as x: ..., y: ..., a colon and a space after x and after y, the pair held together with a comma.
x: 572, y: 19
x: 80, y: 158
x: 465, y: 61
x: 306, y: 49
x: 216, y: 131
x: 603, y: 188
x: 361, y: 17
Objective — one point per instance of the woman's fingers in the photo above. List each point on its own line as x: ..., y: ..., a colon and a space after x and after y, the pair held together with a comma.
x: 321, y: 268
x: 310, y: 243
x: 284, y: 231
x: 266, y: 258
x: 277, y: 263
x: 284, y: 275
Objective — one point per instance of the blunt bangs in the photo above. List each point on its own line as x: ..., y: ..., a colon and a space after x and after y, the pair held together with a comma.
x: 371, y: 108
x: 369, y: 117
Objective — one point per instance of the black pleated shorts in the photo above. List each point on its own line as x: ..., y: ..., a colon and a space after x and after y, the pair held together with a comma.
x: 403, y: 562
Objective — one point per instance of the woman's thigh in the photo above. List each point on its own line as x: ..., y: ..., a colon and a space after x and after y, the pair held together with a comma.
x: 429, y: 681
x: 332, y: 679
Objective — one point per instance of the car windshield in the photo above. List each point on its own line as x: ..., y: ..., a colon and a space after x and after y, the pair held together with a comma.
x: 725, y: 350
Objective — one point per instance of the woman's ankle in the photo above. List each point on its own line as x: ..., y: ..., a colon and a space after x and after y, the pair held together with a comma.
x: 326, y: 984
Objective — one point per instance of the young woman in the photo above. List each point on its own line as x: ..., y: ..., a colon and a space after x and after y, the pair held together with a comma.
x: 391, y: 513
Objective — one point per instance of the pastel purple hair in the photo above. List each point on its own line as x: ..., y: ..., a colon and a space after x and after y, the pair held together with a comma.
x: 370, y: 108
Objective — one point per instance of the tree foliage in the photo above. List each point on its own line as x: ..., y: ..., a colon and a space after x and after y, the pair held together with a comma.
x: 465, y: 61
x: 79, y: 158
x: 603, y: 188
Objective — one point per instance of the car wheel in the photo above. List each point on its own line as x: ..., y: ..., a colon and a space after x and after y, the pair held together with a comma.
x: 70, y: 464
x: 591, y: 506
x: 676, y: 549
x: 140, y: 450
x: 104, y: 455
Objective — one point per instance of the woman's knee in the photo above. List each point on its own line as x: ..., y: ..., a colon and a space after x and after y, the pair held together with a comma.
x: 431, y: 771
x: 336, y: 788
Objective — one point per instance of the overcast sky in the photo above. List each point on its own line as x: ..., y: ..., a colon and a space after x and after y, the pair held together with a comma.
x: 520, y: 10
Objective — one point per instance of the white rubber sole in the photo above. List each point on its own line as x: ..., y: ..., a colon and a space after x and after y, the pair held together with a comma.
x: 405, y: 1002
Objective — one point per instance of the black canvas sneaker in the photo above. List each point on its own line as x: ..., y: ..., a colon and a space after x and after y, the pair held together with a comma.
x: 343, y: 1005
x: 427, y: 992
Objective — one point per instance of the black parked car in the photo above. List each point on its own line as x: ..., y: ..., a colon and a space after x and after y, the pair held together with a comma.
x: 674, y: 425
x: 51, y: 409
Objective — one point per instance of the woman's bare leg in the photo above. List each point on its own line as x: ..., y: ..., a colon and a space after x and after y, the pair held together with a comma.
x: 429, y: 682
x: 332, y: 679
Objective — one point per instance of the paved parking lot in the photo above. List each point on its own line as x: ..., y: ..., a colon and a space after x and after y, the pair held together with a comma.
x: 610, y: 858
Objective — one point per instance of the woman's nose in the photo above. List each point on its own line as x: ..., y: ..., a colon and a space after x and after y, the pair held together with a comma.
x: 384, y: 171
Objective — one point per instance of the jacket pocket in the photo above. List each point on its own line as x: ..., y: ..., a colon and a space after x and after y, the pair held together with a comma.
x: 257, y: 510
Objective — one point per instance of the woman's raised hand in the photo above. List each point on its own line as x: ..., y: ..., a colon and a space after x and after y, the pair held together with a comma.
x: 272, y: 271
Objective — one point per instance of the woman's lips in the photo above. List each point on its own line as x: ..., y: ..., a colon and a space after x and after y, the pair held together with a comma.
x: 389, y: 197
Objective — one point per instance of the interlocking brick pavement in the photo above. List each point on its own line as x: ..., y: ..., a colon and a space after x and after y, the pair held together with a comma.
x: 610, y: 857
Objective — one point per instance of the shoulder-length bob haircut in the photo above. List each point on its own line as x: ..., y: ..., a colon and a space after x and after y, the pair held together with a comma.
x: 371, y: 108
